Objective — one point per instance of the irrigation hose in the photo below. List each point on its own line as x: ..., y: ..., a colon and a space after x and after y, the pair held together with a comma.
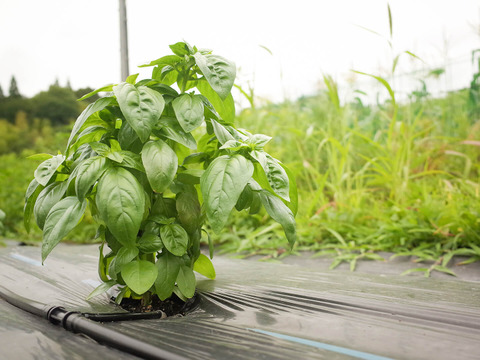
x: 79, y: 324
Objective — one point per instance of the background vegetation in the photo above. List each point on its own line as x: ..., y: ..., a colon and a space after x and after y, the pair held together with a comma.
x: 394, y: 176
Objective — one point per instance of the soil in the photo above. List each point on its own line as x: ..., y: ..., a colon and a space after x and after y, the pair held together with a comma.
x: 173, y: 306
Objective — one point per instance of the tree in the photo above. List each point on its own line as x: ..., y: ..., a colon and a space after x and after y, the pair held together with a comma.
x: 80, y: 92
x: 13, y: 91
x: 57, y: 104
x: 2, y: 96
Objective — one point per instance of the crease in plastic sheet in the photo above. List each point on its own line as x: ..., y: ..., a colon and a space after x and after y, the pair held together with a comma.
x: 264, y: 311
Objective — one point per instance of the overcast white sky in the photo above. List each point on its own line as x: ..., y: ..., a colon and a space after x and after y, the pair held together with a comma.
x: 42, y: 40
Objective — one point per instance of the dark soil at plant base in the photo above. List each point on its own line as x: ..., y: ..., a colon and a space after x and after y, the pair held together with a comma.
x: 173, y: 306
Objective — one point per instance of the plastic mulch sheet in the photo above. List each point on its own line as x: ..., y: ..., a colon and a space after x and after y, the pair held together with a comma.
x: 252, y: 310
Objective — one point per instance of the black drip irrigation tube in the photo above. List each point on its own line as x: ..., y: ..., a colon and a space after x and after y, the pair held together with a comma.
x: 79, y: 323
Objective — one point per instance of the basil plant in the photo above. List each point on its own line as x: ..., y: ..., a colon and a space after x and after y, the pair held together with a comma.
x: 158, y: 163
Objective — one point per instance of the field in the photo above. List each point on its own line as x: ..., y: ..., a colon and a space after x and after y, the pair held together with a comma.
x: 396, y: 176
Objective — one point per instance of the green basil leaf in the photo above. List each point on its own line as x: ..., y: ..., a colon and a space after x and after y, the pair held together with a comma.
x: 106, y: 88
x: 172, y: 130
x: 204, y: 266
x: 115, y: 156
x: 132, y: 78
x: 168, y: 266
x: 186, y: 281
x: 221, y: 133
x: 90, y: 134
x: 225, y: 108
x: 112, y: 242
x: 259, y: 140
x: 210, y: 244
x: 163, y: 61
x: 189, y: 211
x: 222, y: 184
x: 120, y: 201
x: 127, y: 137
x: 131, y: 160
x: 189, y: 111
x: 280, y: 213
x: 163, y: 89
x: 150, y: 243
x: 190, y: 176
x: 33, y: 190
x: 100, y: 148
x: 165, y: 74
x: 292, y: 188
x: 180, y: 49
x: 89, y: 171
x: 89, y: 110
x: 245, y: 199
x: 276, y: 175
x: 175, y: 239
x: 219, y: 72
x: 124, y: 256
x: 47, y: 198
x: 164, y: 207
x: 40, y: 157
x: 139, y: 275
x: 46, y: 169
x: 100, y: 289
x: 256, y: 204
x: 142, y: 107
x: 61, y: 219
x: 102, y: 260
x: 160, y: 163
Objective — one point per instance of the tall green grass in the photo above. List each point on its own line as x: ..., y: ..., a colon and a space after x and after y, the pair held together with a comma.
x: 402, y: 178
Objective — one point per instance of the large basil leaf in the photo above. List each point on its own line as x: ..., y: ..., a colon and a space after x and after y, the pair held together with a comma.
x: 142, y: 107
x: 276, y: 175
x: 61, y: 219
x: 98, y: 105
x: 225, y: 108
x: 219, y: 72
x: 89, y: 171
x: 189, y: 111
x: 46, y: 169
x: 186, y: 281
x: 139, y: 275
x: 168, y: 266
x: 222, y: 184
x: 120, y: 201
x: 47, y: 198
x: 171, y: 129
x: 175, y: 239
x: 280, y: 213
x: 160, y: 163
